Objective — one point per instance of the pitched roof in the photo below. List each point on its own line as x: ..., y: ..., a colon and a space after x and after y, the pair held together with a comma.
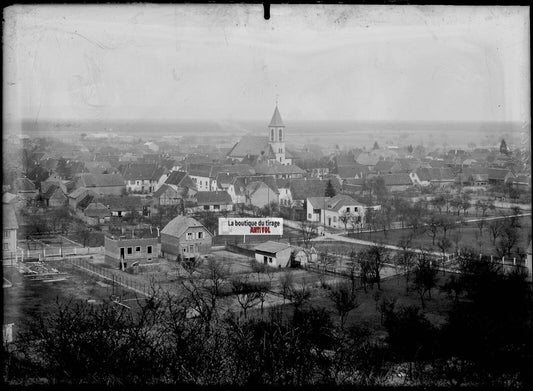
x: 142, y: 171
x: 177, y: 226
x: 278, y: 169
x: 180, y: 178
x: 77, y: 192
x: 241, y: 169
x: 213, y: 197
x: 23, y: 184
x: 498, y: 173
x: 400, y: 179
x: 340, y: 200
x: 121, y: 203
x: 96, y: 209
x: 301, y: 189
x: 50, y: 190
x: 162, y: 190
x: 250, y: 145
x: 102, y: 180
x: 435, y: 174
x: 317, y: 202
x: 85, y: 202
x: 352, y: 171
x: 276, y: 119
x: 272, y: 247
x: 9, y: 219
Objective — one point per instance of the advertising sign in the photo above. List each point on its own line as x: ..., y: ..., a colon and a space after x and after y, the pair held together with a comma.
x: 250, y: 226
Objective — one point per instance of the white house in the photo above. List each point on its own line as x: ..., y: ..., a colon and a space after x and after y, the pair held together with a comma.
x: 329, y: 210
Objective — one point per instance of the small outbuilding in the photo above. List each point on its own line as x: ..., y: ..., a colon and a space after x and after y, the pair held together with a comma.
x: 275, y: 254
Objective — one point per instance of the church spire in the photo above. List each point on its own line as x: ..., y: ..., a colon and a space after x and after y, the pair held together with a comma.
x: 276, y: 121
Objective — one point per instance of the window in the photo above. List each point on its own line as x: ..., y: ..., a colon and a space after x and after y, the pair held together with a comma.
x: 309, y: 216
x: 200, y: 235
x: 355, y: 209
x: 271, y: 134
x: 6, y: 246
x: 189, y: 236
x: 316, y: 211
x: 130, y: 250
x: 149, y: 249
x: 334, y: 219
x: 6, y: 233
x: 138, y: 249
x: 269, y: 260
x: 348, y: 209
x: 206, y: 207
x: 184, y: 249
x: 138, y: 182
x: 216, y: 207
x: 265, y: 258
x: 280, y: 135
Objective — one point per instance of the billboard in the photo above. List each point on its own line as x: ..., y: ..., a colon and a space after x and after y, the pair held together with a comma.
x: 250, y: 226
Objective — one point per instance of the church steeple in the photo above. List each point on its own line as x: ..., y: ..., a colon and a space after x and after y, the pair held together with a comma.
x: 276, y: 127
x: 276, y: 136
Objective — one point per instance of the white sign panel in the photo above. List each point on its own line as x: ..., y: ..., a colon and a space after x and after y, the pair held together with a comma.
x: 250, y: 226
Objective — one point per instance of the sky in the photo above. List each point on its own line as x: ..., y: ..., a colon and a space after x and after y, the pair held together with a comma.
x: 226, y: 62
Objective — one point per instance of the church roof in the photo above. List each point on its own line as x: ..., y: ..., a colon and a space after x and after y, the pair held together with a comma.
x: 276, y: 119
x: 250, y: 145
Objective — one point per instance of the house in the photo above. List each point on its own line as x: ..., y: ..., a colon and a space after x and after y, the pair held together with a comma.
x: 182, y: 183
x: 397, y: 182
x: 201, y: 176
x: 267, y: 149
x: 329, y: 211
x: 142, y: 177
x: 185, y: 237
x: 301, y: 189
x: 9, y: 228
x: 125, y: 251
x: 273, y: 254
x: 437, y: 177
x: 77, y: 195
x: 166, y: 195
x: 121, y: 206
x: 53, y: 194
x: 259, y: 194
x: 95, y: 214
x: 216, y: 201
x: 103, y: 184
x: 237, y: 191
x: 499, y: 175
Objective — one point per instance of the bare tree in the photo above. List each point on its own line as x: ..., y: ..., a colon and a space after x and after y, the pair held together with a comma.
x: 425, y: 278
x: 377, y: 255
x: 444, y: 244
x: 247, y: 293
x: 287, y: 283
x: 344, y: 300
x: 495, y: 230
x: 432, y: 226
x: 309, y: 231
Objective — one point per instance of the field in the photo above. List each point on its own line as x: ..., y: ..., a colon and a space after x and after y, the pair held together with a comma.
x: 462, y: 236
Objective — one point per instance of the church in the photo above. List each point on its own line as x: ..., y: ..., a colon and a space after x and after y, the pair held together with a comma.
x: 260, y: 149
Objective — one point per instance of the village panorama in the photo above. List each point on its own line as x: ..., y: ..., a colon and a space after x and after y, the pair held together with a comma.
x: 277, y: 252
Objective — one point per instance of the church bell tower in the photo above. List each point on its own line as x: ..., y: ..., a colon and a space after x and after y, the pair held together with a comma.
x: 276, y: 137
